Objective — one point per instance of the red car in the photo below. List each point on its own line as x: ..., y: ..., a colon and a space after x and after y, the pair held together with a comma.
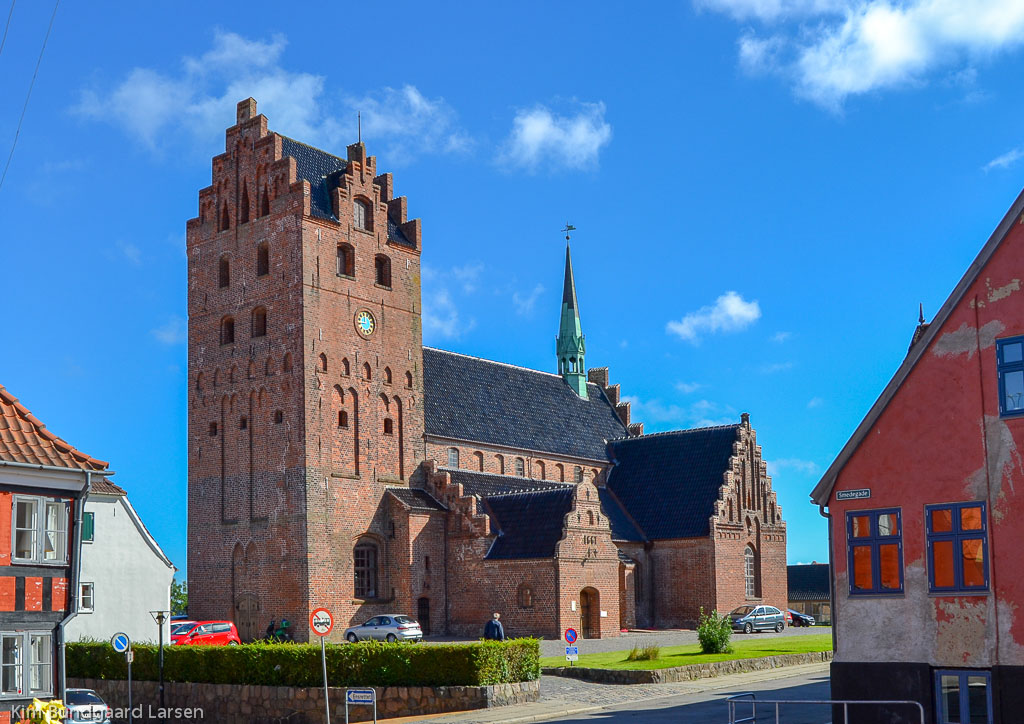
x: 207, y: 633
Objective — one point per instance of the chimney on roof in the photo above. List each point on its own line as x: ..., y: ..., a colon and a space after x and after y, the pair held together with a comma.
x: 246, y: 109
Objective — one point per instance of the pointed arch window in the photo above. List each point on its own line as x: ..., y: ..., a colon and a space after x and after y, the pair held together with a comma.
x: 225, y: 220
x: 539, y: 465
x: 479, y: 458
x: 408, y: 380
x: 749, y: 572
x: 387, y: 375
x: 579, y: 474
x: 259, y: 322
x: 243, y: 212
x: 322, y: 362
x: 263, y: 259
x: 382, y: 266
x: 453, y: 457
x: 265, y: 203
x: 346, y: 260
x: 361, y: 216
x: 227, y: 330
x: 367, y: 372
x: 344, y: 366
x: 224, y: 272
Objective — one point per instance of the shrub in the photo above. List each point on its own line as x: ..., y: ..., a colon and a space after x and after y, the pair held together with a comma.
x: 647, y: 652
x: 367, y: 663
x: 714, y: 632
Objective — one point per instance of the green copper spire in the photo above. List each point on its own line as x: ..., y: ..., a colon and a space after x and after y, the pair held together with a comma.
x: 571, y: 345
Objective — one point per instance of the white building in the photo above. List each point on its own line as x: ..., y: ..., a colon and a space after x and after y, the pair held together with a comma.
x: 125, y: 575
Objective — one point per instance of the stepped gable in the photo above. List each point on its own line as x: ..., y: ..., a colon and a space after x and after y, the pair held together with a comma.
x: 473, y: 399
x: 24, y: 439
x: 528, y: 525
x: 668, y: 482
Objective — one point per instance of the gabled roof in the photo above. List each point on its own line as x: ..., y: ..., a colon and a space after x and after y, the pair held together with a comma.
x: 323, y: 172
x: 668, y: 482
x: 823, y: 490
x: 24, y: 439
x: 808, y: 582
x: 416, y: 499
x: 528, y: 525
x: 473, y: 399
x: 622, y: 525
x: 484, y: 484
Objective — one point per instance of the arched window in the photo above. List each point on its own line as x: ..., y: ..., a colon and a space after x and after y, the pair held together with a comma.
x: 499, y: 464
x: 383, y: 269
x: 453, y: 457
x: 539, y: 467
x: 278, y: 417
x: 389, y: 426
x: 227, y: 330
x: 322, y: 362
x: 525, y: 596
x: 344, y: 366
x: 560, y: 470
x: 259, y: 322
x: 367, y: 373
x: 199, y: 382
x: 243, y: 423
x: 387, y: 375
x: 408, y: 380
x: 269, y: 369
x: 346, y: 260
x: 479, y: 458
x: 590, y: 517
x: 225, y: 220
x: 749, y: 572
x: 364, y: 559
x: 263, y: 259
x: 361, y: 216
x: 265, y: 204
x: 224, y: 271
x: 579, y: 474
x: 520, y: 467
x: 243, y: 212
x: 342, y: 418
x: 288, y: 362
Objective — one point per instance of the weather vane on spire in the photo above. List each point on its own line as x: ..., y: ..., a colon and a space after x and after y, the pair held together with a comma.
x: 568, y: 227
x: 359, y: 123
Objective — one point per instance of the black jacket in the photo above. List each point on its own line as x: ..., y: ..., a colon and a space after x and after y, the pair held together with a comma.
x: 494, y: 631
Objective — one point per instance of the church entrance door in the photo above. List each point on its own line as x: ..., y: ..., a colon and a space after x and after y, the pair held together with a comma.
x: 589, y: 611
x: 248, y: 609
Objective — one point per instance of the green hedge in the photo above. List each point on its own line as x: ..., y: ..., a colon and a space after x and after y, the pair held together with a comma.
x: 368, y: 663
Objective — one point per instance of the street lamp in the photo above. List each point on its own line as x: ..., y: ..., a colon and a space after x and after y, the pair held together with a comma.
x: 161, y: 618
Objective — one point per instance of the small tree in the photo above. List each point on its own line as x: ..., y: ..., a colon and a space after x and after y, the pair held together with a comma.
x: 714, y: 632
x: 179, y: 597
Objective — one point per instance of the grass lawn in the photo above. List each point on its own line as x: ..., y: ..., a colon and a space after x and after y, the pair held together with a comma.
x: 691, y: 654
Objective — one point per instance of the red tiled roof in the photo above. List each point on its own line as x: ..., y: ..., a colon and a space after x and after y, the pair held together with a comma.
x: 105, y: 487
x: 24, y: 439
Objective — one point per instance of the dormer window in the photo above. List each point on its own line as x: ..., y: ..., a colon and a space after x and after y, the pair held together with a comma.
x: 361, y: 218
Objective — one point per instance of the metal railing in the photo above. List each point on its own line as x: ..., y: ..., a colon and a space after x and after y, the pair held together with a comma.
x: 773, y: 706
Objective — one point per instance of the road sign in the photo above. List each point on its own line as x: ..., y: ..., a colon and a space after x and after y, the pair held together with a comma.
x: 571, y: 635
x: 130, y: 656
x: 572, y: 653
x: 120, y: 642
x: 360, y: 696
x: 321, y: 621
x: 859, y: 494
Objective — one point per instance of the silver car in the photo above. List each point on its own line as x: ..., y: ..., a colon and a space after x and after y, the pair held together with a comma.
x: 390, y: 627
x: 85, y: 705
x: 757, y: 618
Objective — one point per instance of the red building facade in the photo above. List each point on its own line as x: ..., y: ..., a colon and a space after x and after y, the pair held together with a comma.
x: 923, y: 511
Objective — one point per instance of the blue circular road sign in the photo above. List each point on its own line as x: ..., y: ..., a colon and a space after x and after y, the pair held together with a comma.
x: 570, y: 635
x: 120, y: 642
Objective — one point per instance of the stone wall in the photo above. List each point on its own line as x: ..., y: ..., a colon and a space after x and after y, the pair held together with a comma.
x: 687, y: 673
x: 230, y: 704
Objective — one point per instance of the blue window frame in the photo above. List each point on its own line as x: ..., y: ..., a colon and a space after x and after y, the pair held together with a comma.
x: 957, y: 547
x: 874, y: 541
x: 1010, y: 365
x: 963, y: 696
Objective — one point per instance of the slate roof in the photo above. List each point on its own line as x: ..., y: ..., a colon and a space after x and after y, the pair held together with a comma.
x: 416, y: 499
x: 669, y: 481
x: 323, y: 172
x: 623, y: 527
x: 808, y: 582
x: 24, y: 439
x: 468, y: 398
x: 484, y: 484
x: 528, y: 525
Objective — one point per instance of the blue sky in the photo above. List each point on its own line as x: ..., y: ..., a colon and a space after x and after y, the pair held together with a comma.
x: 764, y: 191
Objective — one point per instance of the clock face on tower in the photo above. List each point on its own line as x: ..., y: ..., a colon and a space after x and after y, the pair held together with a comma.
x: 365, y: 323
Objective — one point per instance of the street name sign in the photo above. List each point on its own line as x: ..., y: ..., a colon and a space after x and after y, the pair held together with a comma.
x: 859, y: 494
x: 360, y: 696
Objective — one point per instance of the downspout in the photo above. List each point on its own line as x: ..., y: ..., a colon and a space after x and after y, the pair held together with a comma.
x: 831, y: 577
x: 76, y: 574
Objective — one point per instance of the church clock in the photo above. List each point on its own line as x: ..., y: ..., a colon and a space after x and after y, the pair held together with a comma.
x: 365, y: 323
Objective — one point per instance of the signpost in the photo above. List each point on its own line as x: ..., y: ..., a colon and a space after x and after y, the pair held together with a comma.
x: 322, y: 622
x: 123, y: 645
x: 859, y: 494
x: 572, y: 653
x: 361, y: 697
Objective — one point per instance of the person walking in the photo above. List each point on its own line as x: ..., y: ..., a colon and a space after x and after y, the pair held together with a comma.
x: 493, y: 630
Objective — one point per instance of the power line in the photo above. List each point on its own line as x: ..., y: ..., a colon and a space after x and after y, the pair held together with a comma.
x: 7, y: 26
x: 29, y: 94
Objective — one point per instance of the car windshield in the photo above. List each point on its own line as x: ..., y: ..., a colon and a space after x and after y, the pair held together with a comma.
x: 82, y: 696
x: 742, y: 611
x: 180, y: 628
x: 403, y: 619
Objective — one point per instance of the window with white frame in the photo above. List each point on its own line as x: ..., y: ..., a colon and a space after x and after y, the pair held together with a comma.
x: 26, y: 656
x: 87, y: 598
x: 40, y: 530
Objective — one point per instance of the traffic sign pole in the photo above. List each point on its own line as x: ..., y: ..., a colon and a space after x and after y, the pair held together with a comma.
x: 123, y: 645
x: 321, y: 622
x: 323, y: 658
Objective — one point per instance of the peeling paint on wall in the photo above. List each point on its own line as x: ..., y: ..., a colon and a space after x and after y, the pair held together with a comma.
x: 994, y: 295
x: 963, y: 633
x: 1003, y: 461
x: 962, y: 340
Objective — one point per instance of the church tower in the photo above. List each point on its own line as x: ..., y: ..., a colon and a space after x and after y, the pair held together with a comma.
x: 305, y: 382
x: 571, y: 345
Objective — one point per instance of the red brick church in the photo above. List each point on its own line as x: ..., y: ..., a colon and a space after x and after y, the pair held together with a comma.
x: 335, y: 461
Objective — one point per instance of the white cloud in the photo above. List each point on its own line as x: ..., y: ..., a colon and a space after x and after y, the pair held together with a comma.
x: 801, y: 467
x: 130, y: 252
x: 165, y: 110
x: 541, y: 138
x: 702, y: 413
x: 815, y: 402
x: 688, y: 387
x: 780, y: 337
x: 524, y: 303
x: 843, y: 48
x: 1006, y: 160
x: 729, y: 313
x: 468, y: 275
x: 175, y: 331
x: 441, y: 317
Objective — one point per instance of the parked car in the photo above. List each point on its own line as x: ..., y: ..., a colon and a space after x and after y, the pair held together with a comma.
x: 207, y: 633
x: 801, y: 619
x: 389, y: 627
x: 85, y: 705
x: 180, y: 627
x: 757, y: 618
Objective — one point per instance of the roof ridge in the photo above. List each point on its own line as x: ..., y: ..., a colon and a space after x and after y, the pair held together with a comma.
x: 315, y: 148
x: 666, y: 433
x: 529, y: 492
x: 503, y: 364
x: 503, y: 476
